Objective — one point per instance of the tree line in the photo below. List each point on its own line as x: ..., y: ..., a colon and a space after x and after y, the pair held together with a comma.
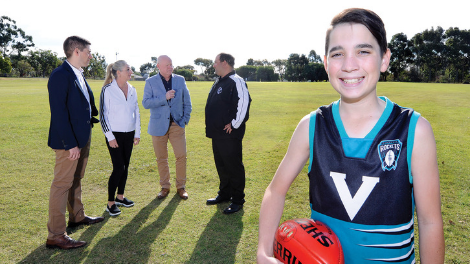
x: 434, y: 55
x: 18, y: 59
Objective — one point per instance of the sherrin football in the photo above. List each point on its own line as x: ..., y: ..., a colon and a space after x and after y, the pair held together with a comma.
x: 307, y: 241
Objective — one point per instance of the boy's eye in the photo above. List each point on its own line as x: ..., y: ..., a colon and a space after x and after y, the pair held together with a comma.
x: 334, y: 55
x: 364, y: 52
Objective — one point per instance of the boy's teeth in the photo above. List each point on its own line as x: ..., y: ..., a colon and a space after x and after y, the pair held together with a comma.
x: 352, y: 80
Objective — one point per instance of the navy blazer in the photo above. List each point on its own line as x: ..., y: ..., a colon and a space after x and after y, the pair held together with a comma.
x: 155, y: 99
x: 70, y: 114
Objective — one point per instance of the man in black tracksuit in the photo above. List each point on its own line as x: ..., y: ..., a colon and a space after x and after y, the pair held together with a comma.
x: 227, y: 110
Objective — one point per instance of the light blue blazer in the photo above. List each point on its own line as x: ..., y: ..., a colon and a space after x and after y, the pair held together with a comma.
x: 160, y: 109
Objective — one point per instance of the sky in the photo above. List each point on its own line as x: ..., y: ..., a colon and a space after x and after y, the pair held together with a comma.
x: 189, y: 29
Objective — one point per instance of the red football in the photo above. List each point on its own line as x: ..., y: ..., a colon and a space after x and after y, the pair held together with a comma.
x: 307, y: 241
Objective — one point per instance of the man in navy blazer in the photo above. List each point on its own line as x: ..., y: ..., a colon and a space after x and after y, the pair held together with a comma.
x: 167, y: 97
x: 73, y: 109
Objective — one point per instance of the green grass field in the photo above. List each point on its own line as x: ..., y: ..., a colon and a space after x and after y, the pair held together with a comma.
x: 177, y: 231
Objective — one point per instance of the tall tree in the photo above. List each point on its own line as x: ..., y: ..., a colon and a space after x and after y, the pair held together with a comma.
x: 265, y: 74
x: 429, y: 48
x: 402, y: 56
x: 295, y: 67
x: 204, y: 64
x: 313, y: 57
x: 97, y: 67
x: 457, y: 54
x: 43, y: 62
x: 146, y: 68
x: 13, y: 38
x: 280, y: 67
x: 315, y: 72
x: 5, y: 64
x: 24, y: 68
x: 187, y: 74
x: 247, y: 72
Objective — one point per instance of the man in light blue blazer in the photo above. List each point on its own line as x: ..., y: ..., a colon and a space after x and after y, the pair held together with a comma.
x: 167, y: 97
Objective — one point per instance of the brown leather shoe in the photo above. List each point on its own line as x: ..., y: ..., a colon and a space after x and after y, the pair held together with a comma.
x: 182, y: 193
x: 64, y: 242
x: 163, y: 193
x: 86, y: 221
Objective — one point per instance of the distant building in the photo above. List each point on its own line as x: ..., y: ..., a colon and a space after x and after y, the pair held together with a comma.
x: 135, y: 77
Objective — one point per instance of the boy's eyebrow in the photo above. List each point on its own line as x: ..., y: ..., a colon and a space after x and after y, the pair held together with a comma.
x: 335, y: 49
x: 359, y: 46
x: 365, y: 45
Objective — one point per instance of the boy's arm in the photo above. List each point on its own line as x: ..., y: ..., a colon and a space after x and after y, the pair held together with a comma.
x: 274, y: 197
x: 427, y: 196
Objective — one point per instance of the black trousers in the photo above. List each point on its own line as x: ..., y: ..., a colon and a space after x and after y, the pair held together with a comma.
x: 120, y: 157
x: 228, y: 159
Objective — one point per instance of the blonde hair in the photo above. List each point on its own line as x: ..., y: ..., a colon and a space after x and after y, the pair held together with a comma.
x: 111, y: 71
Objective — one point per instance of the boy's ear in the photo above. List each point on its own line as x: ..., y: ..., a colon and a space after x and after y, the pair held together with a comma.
x: 385, y: 60
x: 325, y: 63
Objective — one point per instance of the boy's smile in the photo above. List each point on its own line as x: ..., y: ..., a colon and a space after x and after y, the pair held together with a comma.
x: 354, y: 61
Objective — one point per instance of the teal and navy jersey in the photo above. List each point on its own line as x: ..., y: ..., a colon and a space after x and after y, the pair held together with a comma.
x: 362, y: 187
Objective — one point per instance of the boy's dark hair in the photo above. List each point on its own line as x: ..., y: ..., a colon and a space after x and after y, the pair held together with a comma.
x: 74, y: 42
x: 364, y: 17
x: 228, y: 58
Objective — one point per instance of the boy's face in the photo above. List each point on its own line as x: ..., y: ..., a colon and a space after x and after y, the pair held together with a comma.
x: 354, y: 61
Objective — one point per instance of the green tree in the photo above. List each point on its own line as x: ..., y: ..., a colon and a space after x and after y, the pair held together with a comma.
x: 457, y: 54
x: 205, y: 64
x: 43, y: 62
x: 313, y: 57
x: 315, y: 72
x: 187, y: 67
x: 280, y: 67
x: 266, y: 74
x: 13, y: 38
x: 428, y: 48
x: 187, y: 74
x: 402, y: 56
x: 97, y: 67
x: 146, y: 68
x: 250, y: 62
x: 247, y: 72
x: 154, y: 63
x: 295, y: 67
x: 5, y: 64
x: 24, y: 68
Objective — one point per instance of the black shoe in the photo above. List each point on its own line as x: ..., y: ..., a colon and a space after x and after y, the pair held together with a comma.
x: 124, y: 202
x: 114, y: 210
x: 233, y: 208
x: 217, y: 200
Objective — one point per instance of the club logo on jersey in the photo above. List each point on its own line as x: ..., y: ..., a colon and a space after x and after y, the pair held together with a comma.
x: 219, y: 91
x: 389, y: 152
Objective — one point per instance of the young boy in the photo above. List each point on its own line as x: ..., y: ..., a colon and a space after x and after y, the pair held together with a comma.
x: 371, y: 160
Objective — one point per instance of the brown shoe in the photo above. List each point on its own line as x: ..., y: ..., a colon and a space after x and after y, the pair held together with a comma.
x: 86, y: 221
x: 64, y: 242
x: 163, y: 193
x: 182, y: 193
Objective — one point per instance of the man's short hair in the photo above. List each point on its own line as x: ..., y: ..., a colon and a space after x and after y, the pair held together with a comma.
x: 228, y: 58
x: 74, y: 42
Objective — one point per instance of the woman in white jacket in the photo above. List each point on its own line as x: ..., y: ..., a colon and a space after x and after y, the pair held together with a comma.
x: 120, y: 121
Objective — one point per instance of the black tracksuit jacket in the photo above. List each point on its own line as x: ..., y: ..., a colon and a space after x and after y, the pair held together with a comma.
x: 228, y: 102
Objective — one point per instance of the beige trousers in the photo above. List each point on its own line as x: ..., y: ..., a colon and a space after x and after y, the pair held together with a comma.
x: 66, y: 191
x: 176, y: 136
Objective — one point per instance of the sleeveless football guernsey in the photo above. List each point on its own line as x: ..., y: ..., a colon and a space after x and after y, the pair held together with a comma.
x: 362, y: 187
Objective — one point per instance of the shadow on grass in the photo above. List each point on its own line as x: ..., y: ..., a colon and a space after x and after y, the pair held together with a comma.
x: 130, y: 245
x: 219, y: 240
x: 133, y: 242
x: 45, y: 255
